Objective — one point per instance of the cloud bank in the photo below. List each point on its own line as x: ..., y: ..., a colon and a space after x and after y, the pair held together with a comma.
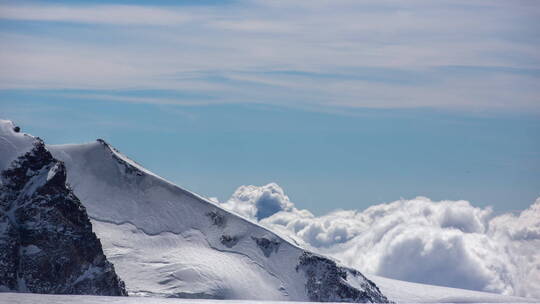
x: 448, y: 243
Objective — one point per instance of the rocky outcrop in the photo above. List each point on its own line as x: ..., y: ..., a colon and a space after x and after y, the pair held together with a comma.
x: 328, y: 282
x: 46, y: 239
x: 267, y: 246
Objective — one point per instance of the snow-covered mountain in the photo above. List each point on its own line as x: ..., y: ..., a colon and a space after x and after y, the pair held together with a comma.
x: 166, y: 241
x: 46, y: 239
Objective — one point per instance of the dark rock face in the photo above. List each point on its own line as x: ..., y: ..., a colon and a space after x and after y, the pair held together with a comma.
x: 46, y: 239
x: 327, y: 282
x: 266, y: 245
x: 217, y: 218
x: 228, y: 240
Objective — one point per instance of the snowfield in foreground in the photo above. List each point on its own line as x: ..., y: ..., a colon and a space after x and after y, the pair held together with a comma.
x: 405, y: 293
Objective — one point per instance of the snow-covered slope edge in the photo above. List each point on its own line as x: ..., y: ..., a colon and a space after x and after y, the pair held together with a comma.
x: 170, y: 242
x: 13, y: 143
x: 46, y: 239
x: 409, y: 292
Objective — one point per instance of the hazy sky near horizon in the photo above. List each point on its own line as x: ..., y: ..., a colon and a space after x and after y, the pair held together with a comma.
x: 343, y: 103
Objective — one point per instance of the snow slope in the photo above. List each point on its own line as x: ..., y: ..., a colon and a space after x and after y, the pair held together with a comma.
x: 163, y: 239
x: 167, y: 241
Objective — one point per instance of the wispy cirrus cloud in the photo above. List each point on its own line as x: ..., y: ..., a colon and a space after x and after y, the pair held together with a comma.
x: 97, y: 14
x: 372, y: 53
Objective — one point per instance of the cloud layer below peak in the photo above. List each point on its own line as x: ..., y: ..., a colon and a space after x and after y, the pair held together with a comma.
x: 448, y: 243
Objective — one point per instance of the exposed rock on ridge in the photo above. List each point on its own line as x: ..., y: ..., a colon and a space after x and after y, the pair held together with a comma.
x: 46, y: 239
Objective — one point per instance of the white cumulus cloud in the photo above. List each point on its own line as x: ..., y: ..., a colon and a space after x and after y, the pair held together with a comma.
x: 449, y: 243
x: 258, y: 202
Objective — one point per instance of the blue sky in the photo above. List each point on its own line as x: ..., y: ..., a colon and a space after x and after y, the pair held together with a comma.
x: 343, y: 103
